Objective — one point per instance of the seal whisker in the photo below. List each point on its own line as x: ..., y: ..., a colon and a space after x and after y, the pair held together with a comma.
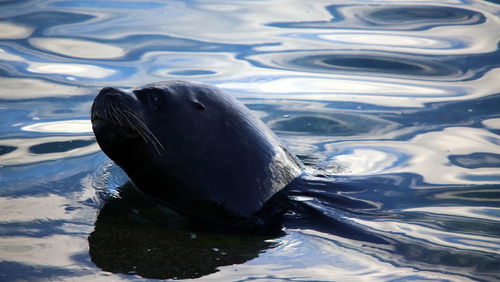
x: 144, y: 135
x: 139, y: 126
x: 146, y: 129
x: 114, y: 111
x: 110, y: 114
x: 121, y: 117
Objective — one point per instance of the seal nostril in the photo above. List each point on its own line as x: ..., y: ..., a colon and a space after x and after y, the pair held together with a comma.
x: 109, y: 91
x: 112, y: 94
x: 102, y: 100
x: 105, y: 94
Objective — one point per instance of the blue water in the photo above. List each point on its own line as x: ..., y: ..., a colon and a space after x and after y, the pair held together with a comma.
x: 397, y: 103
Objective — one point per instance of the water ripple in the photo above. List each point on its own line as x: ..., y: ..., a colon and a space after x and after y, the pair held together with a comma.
x: 359, y: 62
x: 392, y: 106
x: 393, y: 17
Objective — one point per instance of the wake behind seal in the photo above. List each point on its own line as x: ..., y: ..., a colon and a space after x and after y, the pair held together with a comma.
x: 197, y: 150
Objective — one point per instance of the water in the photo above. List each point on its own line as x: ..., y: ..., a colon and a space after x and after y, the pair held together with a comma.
x: 397, y: 102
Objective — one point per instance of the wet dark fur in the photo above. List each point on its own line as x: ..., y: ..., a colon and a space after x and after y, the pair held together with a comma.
x: 197, y: 150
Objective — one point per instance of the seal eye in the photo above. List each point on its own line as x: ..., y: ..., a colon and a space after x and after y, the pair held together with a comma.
x: 157, y: 100
x: 199, y: 106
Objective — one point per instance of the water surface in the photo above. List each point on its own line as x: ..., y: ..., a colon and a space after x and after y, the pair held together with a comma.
x: 397, y: 103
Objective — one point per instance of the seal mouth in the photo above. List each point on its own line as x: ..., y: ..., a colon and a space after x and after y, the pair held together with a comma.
x: 113, y: 118
x: 101, y: 123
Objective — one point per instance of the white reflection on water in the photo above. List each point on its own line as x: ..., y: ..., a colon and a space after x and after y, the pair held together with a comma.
x: 171, y: 65
x: 365, y: 160
x: 23, y: 155
x: 426, y: 154
x: 10, y: 30
x: 71, y: 69
x: 461, y: 36
x: 79, y: 70
x: 64, y: 126
x: 6, y: 56
x: 54, y: 227
x: 341, y: 89
x: 434, y: 236
x: 78, y: 48
x: 397, y: 40
x: 55, y: 250
x: 205, y: 21
x: 488, y: 213
x: 51, y: 207
x: 15, y: 88
x: 493, y: 123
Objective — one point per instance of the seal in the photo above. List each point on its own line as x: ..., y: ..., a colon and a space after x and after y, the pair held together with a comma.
x: 197, y: 150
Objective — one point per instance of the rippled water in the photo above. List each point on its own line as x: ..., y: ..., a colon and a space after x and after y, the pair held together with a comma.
x: 398, y: 102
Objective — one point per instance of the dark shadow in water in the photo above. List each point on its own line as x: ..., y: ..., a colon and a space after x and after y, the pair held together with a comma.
x: 331, y: 124
x: 424, y: 15
x: 136, y: 236
x: 57, y: 147
x: 312, y: 124
x: 46, y: 19
x: 133, y: 235
x: 380, y: 63
x: 4, y: 150
x: 15, y: 271
x: 436, y: 258
x: 392, y: 17
x: 476, y: 160
x: 440, y: 115
x: 192, y: 72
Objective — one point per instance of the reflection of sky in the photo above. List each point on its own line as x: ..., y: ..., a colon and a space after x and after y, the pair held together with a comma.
x: 493, y: 123
x: 141, y: 40
x: 71, y: 69
x: 77, y: 48
x: 312, y: 252
x: 408, y: 89
x: 15, y: 88
x: 65, y: 126
x: 426, y: 154
x: 437, y: 237
x: 23, y: 153
x: 489, y: 213
x: 14, y: 31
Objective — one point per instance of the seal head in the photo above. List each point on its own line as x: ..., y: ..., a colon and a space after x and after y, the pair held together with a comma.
x: 195, y: 149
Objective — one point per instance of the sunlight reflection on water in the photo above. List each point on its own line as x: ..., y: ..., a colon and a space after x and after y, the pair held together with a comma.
x: 397, y: 102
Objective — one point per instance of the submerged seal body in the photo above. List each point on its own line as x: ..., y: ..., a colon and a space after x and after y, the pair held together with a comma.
x: 195, y: 149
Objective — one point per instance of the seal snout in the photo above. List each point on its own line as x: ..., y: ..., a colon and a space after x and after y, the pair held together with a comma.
x: 111, y: 93
x: 107, y: 97
x: 113, y: 110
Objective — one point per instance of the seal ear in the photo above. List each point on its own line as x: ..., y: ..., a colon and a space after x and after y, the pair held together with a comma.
x: 198, y: 105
